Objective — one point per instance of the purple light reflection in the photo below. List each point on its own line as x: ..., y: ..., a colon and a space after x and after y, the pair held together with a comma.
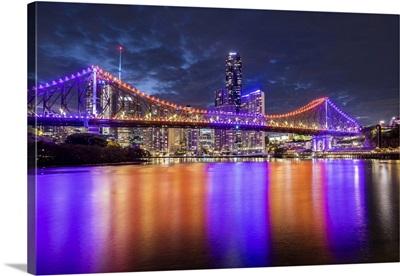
x: 63, y: 243
x: 215, y: 215
x: 345, y: 219
x: 237, y: 217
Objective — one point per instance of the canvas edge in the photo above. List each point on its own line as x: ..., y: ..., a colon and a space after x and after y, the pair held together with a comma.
x: 32, y: 166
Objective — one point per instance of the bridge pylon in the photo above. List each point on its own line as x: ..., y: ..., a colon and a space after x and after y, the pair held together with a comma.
x: 322, y: 142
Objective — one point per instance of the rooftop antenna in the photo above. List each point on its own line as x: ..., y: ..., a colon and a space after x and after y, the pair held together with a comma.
x: 119, y: 68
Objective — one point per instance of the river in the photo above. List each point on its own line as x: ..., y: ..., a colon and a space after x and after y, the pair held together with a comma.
x: 172, y: 215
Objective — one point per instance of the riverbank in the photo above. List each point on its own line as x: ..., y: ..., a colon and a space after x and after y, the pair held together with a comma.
x: 302, y: 155
x: 229, y: 158
x: 393, y: 155
x: 43, y: 154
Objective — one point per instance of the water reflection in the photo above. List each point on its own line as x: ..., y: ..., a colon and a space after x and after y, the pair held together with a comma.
x: 216, y: 214
x: 238, y: 221
x: 297, y: 214
x: 346, y: 211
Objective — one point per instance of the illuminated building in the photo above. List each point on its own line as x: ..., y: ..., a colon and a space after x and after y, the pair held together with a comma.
x: 221, y: 100
x: 253, y: 141
x: 176, y: 140
x: 253, y: 102
x: 395, y: 121
x: 206, y: 140
x: 155, y: 140
x: 193, y: 138
x: 57, y: 134
x: 233, y: 84
x: 223, y: 138
x: 229, y: 100
x: 243, y: 141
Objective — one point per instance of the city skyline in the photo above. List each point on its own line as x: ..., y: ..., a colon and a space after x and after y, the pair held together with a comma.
x: 171, y: 64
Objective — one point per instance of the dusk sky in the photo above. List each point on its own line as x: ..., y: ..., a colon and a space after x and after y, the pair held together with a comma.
x: 178, y: 54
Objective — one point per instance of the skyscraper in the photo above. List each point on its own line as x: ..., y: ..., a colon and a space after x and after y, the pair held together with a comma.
x: 253, y: 102
x: 253, y: 141
x: 233, y: 84
x: 229, y: 100
x: 223, y: 138
x: 220, y: 98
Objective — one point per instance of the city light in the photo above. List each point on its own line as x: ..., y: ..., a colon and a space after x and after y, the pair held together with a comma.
x: 307, y: 119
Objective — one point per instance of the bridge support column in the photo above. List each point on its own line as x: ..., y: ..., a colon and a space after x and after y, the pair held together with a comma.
x: 327, y: 140
x: 321, y: 143
x: 314, y: 143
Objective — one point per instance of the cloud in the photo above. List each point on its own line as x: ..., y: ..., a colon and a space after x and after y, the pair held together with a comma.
x: 179, y: 53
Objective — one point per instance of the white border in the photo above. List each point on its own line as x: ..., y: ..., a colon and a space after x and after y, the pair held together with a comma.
x: 13, y: 130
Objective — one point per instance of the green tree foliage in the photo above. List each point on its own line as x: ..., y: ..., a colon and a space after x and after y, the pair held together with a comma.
x: 266, y: 140
x: 370, y: 136
x: 86, y: 139
x: 113, y: 144
x: 390, y: 137
x: 301, y: 138
x: 279, y: 152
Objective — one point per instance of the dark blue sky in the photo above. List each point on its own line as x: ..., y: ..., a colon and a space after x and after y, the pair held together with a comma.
x: 179, y: 54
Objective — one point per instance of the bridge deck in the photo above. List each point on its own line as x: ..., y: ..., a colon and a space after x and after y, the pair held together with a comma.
x: 133, y: 123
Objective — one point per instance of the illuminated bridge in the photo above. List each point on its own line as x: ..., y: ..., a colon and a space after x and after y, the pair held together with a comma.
x: 95, y: 98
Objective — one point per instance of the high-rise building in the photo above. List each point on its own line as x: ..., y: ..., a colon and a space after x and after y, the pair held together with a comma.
x: 253, y: 141
x: 155, y: 140
x: 176, y: 143
x: 224, y: 139
x: 233, y: 84
x: 206, y: 141
x: 240, y: 140
x: 221, y: 98
x: 229, y: 100
x: 253, y: 102
x: 221, y: 101
x: 193, y: 136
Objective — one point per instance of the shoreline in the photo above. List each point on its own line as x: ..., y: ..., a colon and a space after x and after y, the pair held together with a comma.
x: 143, y: 161
x: 137, y: 162
x: 302, y: 155
x: 346, y: 155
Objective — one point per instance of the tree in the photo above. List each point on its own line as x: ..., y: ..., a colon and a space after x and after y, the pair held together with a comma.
x: 266, y: 140
x: 279, y: 152
x: 86, y: 139
x: 96, y: 140
x: 370, y: 134
x: 113, y: 144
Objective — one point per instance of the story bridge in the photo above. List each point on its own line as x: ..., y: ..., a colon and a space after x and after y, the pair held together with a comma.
x: 95, y: 98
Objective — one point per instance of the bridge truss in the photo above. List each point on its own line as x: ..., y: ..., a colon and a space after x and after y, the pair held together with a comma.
x: 95, y: 97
